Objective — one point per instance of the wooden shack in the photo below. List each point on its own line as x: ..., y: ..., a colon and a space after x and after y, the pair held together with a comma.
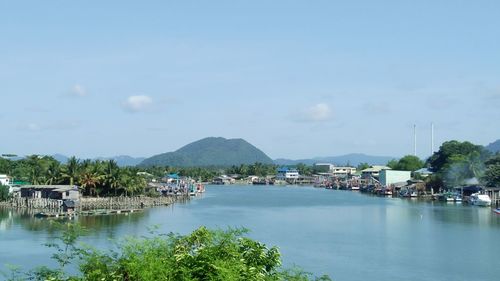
x: 61, y: 192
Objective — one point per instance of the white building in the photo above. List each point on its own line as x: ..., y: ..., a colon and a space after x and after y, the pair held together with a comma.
x: 5, y: 180
x: 343, y: 171
x: 338, y: 171
x: 388, y: 177
x: 323, y: 167
x: 373, y: 171
x: 287, y: 174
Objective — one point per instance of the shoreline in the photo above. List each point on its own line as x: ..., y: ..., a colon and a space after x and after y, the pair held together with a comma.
x: 94, y: 203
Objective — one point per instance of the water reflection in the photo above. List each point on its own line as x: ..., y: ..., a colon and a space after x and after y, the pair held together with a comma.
x: 26, y: 219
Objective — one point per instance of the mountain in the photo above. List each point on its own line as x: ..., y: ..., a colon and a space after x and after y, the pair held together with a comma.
x: 494, y: 147
x: 124, y: 160
x: 210, y: 152
x: 352, y: 159
x: 63, y: 159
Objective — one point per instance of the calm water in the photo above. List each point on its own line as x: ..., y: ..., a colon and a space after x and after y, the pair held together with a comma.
x: 348, y: 235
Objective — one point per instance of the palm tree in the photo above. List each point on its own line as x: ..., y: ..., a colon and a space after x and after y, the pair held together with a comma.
x: 34, y: 169
x: 53, y: 173
x: 112, y: 175
x: 89, y: 182
x: 71, y: 170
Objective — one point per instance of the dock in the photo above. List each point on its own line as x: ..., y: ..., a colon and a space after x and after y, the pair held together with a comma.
x: 101, y: 212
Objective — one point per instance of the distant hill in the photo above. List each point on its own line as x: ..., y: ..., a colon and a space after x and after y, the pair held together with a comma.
x: 61, y: 158
x: 494, y: 147
x: 124, y: 160
x: 210, y: 152
x: 353, y: 159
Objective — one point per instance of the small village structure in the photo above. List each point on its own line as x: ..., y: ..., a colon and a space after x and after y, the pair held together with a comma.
x: 287, y: 174
x: 373, y: 171
x: 394, y: 177
x: 60, y: 192
x: 5, y: 180
x: 223, y: 179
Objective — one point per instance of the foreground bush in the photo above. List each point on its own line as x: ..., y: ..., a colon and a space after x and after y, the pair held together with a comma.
x: 202, y: 255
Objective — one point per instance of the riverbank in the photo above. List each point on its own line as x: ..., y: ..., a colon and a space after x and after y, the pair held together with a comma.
x: 93, y: 203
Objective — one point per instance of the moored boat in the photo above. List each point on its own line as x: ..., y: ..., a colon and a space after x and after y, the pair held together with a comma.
x: 480, y: 199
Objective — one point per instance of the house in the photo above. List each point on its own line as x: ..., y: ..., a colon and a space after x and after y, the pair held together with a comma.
x: 61, y: 192
x: 394, y: 177
x: 336, y: 171
x: 224, y: 179
x: 285, y: 173
x: 321, y: 168
x: 5, y: 180
x: 373, y: 171
x: 343, y: 171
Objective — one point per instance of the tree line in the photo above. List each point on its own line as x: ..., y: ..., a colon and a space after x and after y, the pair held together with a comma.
x: 95, y: 177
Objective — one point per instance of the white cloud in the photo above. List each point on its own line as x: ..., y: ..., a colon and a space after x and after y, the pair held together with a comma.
x: 78, y: 91
x: 317, y: 113
x: 137, y: 103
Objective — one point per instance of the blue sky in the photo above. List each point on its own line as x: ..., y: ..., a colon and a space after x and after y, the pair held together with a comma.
x: 295, y: 78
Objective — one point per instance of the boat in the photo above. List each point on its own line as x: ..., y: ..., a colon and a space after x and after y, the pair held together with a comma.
x: 497, y: 211
x: 480, y: 199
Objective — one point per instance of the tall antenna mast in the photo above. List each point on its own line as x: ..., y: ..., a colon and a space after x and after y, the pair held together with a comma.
x: 415, y: 140
x: 432, y: 138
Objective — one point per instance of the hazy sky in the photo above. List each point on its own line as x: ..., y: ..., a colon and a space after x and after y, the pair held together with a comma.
x: 295, y: 78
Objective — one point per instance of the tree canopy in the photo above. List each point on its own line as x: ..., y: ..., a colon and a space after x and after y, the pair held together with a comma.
x: 456, y: 162
x: 407, y: 163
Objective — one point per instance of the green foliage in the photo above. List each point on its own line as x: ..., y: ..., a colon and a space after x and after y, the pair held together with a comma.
x: 492, y: 174
x: 202, y: 255
x: 407, y: 163
x: 4, y: 193
x: 362, y: 166
x: 457, y: 161
x: 210, y: 152
x: 304, y: 169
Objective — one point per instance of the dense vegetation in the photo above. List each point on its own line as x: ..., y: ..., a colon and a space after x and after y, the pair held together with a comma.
x: 202, y: 255
x: 97, y: 178
x: 4, y: 193
x: 210, y: 152
x: 407, y: 163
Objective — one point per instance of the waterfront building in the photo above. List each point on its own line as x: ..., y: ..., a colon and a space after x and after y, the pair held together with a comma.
x: 373, y: 171
x: 321, y: 168
x: 336, y: 171
x: 223, y: 179
x: 5, y: 180
x: 343, y: 171
x: 394, y: 177
x: 62, y: 192
x: 285, y: 173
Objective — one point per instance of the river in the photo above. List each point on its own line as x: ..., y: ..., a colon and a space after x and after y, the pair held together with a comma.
x: 348, y: 235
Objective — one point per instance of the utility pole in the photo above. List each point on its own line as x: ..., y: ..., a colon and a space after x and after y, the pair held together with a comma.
x: 415, y: 140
